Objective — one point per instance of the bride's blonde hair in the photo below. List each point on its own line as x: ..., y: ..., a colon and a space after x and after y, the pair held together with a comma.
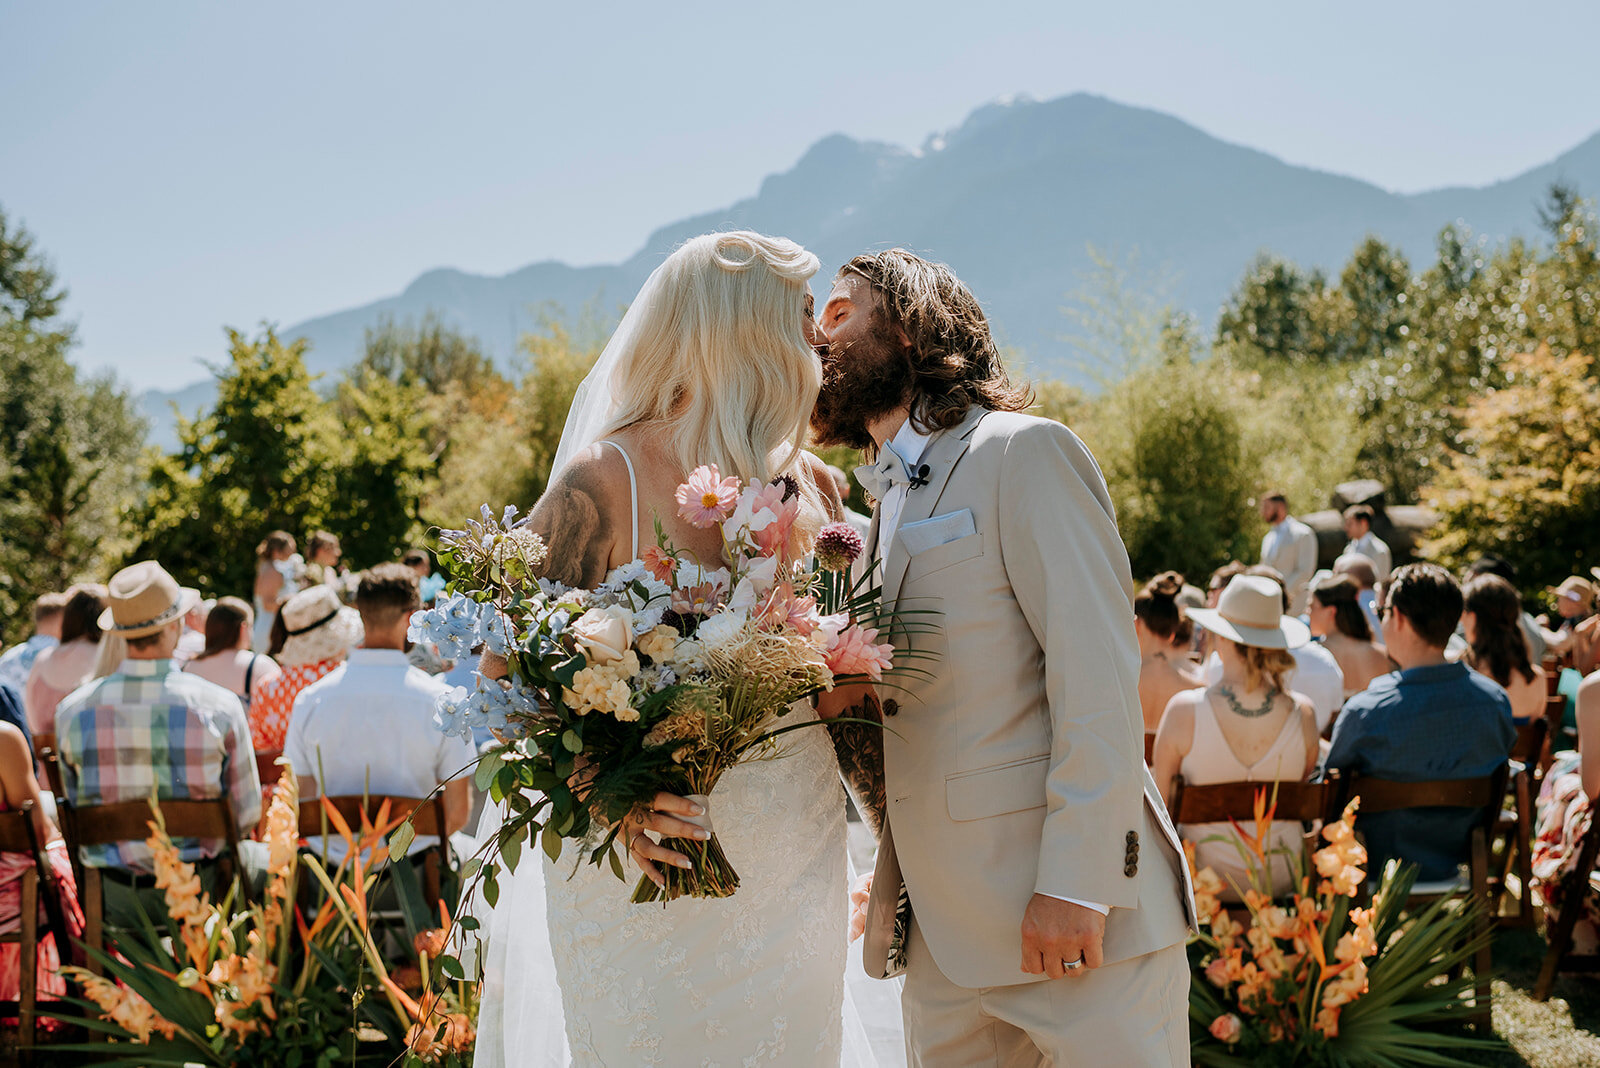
x: 721, y: 361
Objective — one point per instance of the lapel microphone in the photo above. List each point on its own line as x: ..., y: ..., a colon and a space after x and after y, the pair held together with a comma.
x: 919, y: 478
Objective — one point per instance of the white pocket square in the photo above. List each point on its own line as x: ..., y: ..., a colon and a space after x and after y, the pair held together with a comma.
x: 938, y: 530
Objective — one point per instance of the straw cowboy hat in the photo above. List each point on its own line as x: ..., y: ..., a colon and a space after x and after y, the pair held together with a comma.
x: 1250, y: 612
x: 1575, y: 588
x: 143, y: 599
x: 320, y: 627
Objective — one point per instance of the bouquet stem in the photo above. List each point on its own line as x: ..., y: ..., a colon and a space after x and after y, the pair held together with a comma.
x: 711, y: 875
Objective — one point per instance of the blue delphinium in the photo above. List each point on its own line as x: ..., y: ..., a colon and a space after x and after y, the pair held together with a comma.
x: 451, y: 626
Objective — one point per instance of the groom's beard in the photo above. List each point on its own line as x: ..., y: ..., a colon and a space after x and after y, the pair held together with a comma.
x: 862, y: 381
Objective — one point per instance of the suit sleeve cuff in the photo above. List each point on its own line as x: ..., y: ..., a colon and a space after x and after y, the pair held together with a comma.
x: 1101, y: 909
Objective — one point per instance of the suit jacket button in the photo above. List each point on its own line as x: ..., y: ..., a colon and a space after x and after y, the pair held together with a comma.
x: 1133, y: 838
x: 1131, y: 869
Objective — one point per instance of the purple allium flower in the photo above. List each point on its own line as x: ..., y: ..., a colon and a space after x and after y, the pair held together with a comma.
x: 791, y: 485
x: 838, y: 546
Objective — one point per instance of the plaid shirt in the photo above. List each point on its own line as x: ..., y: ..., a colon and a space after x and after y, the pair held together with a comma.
x: 150, y: 728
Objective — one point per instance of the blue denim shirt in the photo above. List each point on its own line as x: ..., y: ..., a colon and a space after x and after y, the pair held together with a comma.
x: 1444, y: 721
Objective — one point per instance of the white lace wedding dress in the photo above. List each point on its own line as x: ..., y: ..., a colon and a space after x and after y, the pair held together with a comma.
x: 754, y: 979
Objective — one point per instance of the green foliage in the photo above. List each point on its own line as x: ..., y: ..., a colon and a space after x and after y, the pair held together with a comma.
x: 272, y: 453
x: 559, y: 357
x: 69, y: 445
x: 1172, y: 445
x: 1525, y: 482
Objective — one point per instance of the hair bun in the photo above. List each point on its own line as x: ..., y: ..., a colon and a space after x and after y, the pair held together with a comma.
x: 1166, y: 584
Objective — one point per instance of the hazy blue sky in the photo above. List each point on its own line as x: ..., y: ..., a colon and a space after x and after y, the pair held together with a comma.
x: 191, y: 165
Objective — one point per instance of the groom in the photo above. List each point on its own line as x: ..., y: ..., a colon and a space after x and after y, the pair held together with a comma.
x: 1028, y: 881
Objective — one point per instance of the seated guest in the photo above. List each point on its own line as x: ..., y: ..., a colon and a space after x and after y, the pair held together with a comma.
x: 1571, y: 788
x: 18, y: 786
x: 1245, y: 727
x: 1496, y: 647
x: 227, y: 658
x: 1315, y: 676
x: 1489, y: 564
x: 1432, y: 719
x: 1162, y: 672
x: 18, y: 660
x: 58, y: 671
x: 1360, y: 570
x: 149, y: 729
x: 368, y: 727
x: 1339, y: 623
x: 318, y: 632
x: 1574, y: 604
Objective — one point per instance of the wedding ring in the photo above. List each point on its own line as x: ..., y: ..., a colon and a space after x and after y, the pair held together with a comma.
x: 1073, y: 965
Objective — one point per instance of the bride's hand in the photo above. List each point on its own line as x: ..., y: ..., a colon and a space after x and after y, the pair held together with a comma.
x: 661, y: 819
x: 860, y: 895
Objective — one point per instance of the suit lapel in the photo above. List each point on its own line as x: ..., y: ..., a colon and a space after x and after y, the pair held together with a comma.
x: 941, y: 456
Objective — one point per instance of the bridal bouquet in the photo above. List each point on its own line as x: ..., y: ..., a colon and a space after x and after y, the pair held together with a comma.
x: 1314, y: 980
x: 662, y: 678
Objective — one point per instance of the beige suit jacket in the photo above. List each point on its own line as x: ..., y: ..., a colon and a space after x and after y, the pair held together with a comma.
x: 1016, y: 764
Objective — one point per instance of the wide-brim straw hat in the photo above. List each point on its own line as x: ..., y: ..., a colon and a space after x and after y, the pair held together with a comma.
x: 320, y: 627
x: 142, y: 599
x: 1250, y: 612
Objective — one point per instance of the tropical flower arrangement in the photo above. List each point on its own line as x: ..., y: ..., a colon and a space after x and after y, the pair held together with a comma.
x: 209, y: 984
x: 1315, y: 980
x: 663, y: 677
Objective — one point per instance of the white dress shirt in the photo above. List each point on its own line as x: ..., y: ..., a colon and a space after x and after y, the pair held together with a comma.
x: 367, y: 727
x: 909, y: 444
x: 1373, y: 548
x: 1290, y: 548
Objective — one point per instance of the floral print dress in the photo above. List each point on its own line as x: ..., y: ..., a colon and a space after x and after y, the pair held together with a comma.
x: 1562, y: 818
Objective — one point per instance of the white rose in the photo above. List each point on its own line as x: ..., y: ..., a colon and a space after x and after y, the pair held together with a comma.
x: 603, y: 634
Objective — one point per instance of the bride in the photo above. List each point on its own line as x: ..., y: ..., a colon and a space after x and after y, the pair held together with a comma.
x: 713, y: 363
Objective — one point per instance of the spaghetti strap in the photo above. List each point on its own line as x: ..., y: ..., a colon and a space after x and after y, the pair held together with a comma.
x: 633, y: 495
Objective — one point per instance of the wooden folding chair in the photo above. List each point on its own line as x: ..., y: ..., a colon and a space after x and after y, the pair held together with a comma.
x: 426, y: 815
x: 1482, y: 795
x: 268, y: 768
x: 1306, y: 802
x: 1149, y: 748
x: 1513, y: 830
x: 45, y: 750
x: 1576, y: 886
x: 128, y: 821
x: 18, y: 835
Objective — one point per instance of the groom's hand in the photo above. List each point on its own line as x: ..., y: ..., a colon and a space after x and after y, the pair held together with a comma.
x: 1056, y: 932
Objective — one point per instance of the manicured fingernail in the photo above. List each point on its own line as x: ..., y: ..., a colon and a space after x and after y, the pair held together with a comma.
x: 660, y: 882
x: 682, y: 863
x: 696, y: 810
x: 702, y: 834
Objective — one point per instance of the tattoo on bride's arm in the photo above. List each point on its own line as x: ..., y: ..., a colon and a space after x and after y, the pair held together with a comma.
x: 576, y: 532
x: 859, y: 747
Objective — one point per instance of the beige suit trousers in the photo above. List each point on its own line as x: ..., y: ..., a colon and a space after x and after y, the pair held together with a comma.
x: 1132, y: 1014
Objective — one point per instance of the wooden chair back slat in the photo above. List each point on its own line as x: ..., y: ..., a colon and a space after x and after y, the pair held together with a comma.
x: 45, y: 749
x: 1219, y: 802
x: 127, y: 821
x: 1386, y: 795
x: 16, y: 832
x: 1529, y: 745
x: 267, y: 766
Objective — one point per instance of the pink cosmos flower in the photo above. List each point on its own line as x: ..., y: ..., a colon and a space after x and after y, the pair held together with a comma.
x: 857, y: 651
x: 707, y: 498
x: 661, y: 563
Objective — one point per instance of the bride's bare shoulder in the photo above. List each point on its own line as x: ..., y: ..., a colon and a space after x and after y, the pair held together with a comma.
x: 581, y: 514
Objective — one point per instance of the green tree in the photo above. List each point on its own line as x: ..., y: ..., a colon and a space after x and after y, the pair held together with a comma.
x: 387, y: 468
x: 69, y: 444
x: 1525, y: 481
x: 262, y: 459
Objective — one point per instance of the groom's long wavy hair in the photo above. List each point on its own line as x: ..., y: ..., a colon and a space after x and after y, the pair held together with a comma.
x: 955, y: 364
